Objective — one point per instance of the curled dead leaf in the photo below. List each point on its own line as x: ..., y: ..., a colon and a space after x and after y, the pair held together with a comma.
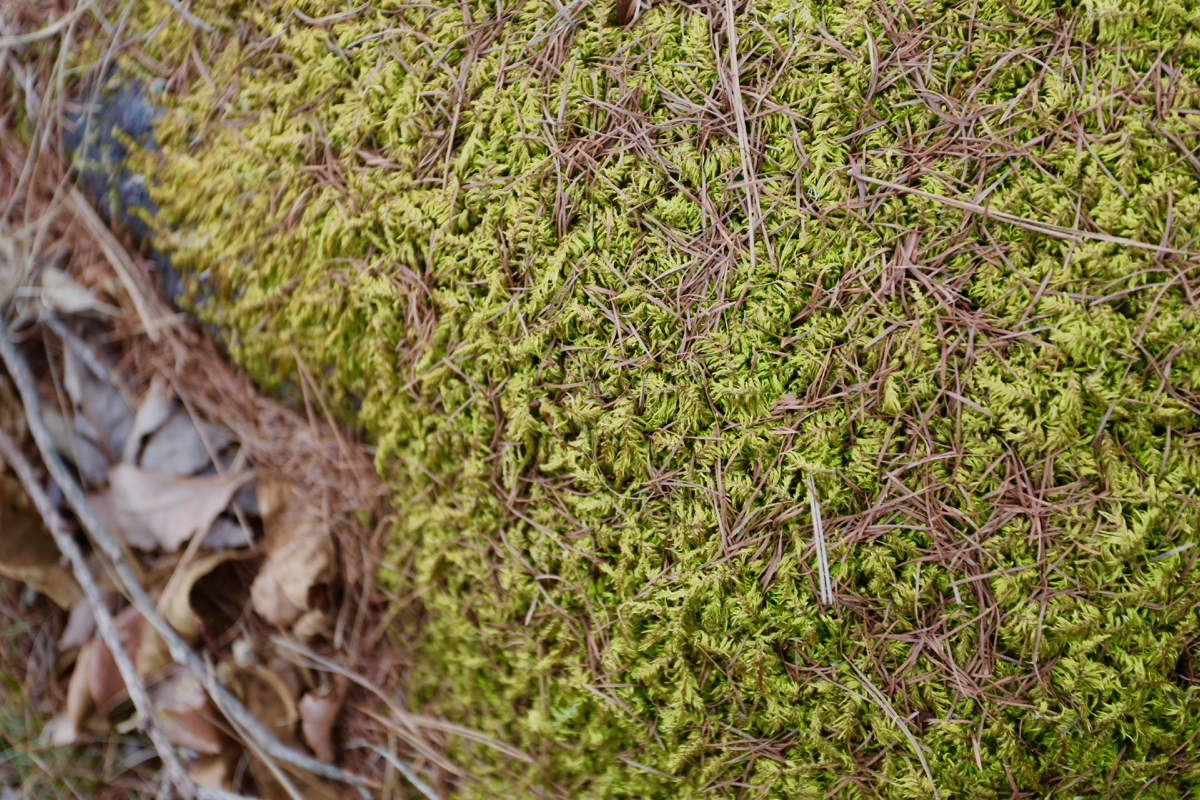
x: 176, y: 606
x: 187, y: 716
x: 291, y: 585
x: 152, y: 511
x: 271, y: 701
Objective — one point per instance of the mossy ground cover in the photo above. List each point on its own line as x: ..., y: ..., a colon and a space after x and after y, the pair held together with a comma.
x: 607, y: 297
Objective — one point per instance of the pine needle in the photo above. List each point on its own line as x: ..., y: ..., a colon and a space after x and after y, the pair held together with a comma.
x: 825, y: 580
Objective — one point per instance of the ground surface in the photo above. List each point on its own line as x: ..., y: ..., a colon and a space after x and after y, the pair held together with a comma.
x: 618, y: 304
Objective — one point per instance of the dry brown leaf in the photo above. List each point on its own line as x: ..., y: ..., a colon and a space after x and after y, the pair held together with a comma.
x: 187, y: 716
x: 319, y: 711
x: 153, y: 412
x: 66, y: 727
x: 152, y: 511
x: 28, y: 553
x: 300, y: 559
x: 272, y: 703
x: 216, y: 771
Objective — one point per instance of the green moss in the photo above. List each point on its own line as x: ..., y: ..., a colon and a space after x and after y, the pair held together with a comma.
x: 521, y: 237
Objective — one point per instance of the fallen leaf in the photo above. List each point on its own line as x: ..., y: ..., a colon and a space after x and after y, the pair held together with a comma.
x: 187, y: 716
x: 319, y: 711
x: 216, y: 771
x: 60, y: 291
x: 102, y: 415
x: 300, y: 559
x: 81, y: 624
x: 153, y: 412
x: 144, y: 647
x: 225, y: 533
x: 150, y: 511
x: 28, y: 553
x: 268, y: 698
x: 176, y: 607
x: 86, y: 455
x: 67, y: 726
x: 177, y: 448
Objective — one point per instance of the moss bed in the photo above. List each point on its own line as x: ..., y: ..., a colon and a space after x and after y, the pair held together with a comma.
x: 605, y: 298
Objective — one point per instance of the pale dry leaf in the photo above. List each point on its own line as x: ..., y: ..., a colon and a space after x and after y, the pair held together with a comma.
x: 187, y: 716
x: 319, y: 711
x: 300, y: 558
x: 216, y: 771
x: 225, y: 533
x: 153, y: 412
x: 177, y: 448
x: 81, y: 625
x: 86, y: 455
x: 67, y: 726
x: 153, y: 511
x: 61, y: 292
x: 28, y: 553
x: 102, y: 415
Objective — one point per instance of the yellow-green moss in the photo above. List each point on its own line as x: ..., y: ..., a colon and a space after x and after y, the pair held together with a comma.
x: 520, y: 237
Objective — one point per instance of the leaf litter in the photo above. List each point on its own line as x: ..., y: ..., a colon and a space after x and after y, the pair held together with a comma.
x: 245, y: 519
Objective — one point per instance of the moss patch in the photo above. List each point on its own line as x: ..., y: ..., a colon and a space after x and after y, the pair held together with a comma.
x: 606, y: 306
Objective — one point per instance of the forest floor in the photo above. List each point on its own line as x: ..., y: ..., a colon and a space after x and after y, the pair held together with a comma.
x: 167, y: 529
